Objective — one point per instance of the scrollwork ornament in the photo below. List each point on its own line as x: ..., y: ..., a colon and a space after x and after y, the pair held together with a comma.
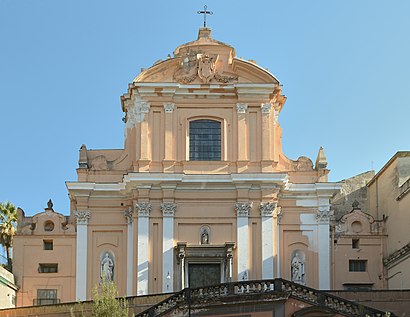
x: 143, y: 209
x: 169, y: 107
x: 266, y: 108
x: 243, y: 209
x: 168, y: 209
x: 82, y: 216
x: 129, y: 214
x: 279, y: 214
x: 241, y: 107
x: 323, y: 215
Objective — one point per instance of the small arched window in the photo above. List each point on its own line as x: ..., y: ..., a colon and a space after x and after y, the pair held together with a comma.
x: 204, y: 140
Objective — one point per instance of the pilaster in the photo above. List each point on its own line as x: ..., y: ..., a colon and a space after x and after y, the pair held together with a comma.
x: 82, y: 218
x: 241, y: 109
x: 168, y: 212
x: 242, y: 213
x: 267, y: 210
x: 143, y: 210
x: 169, y: 139
x: 129, y: 216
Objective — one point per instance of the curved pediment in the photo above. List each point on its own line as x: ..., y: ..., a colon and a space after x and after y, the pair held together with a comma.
x: 205, y: 61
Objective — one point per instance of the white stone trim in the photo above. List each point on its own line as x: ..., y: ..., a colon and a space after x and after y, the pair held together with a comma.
x: 273, y: 178
x: 143, y: 210
x: 242, y: 227
x: 324, y: 256
x: 267, y: 241
x: 168, y: 212
x: 129, y: 215
x: 81, y: 254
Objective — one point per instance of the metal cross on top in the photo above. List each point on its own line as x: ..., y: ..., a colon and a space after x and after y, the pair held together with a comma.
x: 205, y: 12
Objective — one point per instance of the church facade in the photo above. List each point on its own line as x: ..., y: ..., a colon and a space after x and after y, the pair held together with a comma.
x: 202, y: 192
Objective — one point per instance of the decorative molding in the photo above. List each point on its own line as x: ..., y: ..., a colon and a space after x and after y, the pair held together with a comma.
x: 169, y: 107
x: 129, y: 214
x: 243, y: 209
x: 136, y: 111
x: 279, y: 214
x: 266, y: 108
x: 241, y: 107
x: 168, y: 209
x: 268, y: 208
x: 143, y: 209
x: 82, y: 217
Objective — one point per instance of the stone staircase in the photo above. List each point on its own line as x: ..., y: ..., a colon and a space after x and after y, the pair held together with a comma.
x: 279, y: 288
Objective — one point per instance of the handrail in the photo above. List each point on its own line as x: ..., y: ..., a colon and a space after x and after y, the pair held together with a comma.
x: 309, y: 295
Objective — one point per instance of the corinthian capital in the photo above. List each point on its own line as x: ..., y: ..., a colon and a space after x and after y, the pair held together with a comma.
x: 168, y: 209
x: 266, y: 108
x: 143, y: 209
x: 268, y: 208
x: 241, y: 107
x: 82, y: 217
x: 242, y: 209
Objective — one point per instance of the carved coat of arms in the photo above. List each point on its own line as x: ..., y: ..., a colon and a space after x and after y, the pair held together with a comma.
x: 206, y: 68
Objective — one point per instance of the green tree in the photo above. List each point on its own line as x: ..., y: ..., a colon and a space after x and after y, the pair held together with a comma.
x: 8, y: 223
x: 107, y: 303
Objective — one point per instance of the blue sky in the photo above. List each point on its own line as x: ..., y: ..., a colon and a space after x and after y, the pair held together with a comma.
x: 344, y: 66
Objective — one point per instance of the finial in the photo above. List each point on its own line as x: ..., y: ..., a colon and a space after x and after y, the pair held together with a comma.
x: 49, y: 205
x: 321, y: 162
x: 205, y: 12
x: 355, y: 205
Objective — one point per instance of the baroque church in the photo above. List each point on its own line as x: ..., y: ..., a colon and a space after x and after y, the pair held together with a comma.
x: 201, y: 193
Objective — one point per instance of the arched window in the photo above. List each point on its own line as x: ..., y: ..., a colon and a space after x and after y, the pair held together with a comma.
x: 204, y: 140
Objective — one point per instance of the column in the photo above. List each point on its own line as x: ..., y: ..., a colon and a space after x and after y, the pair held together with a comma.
x: 242, y: 131
x: 267, y: 239
x: 242, y: 227
x: 168, y: 212
x: 322, y: 218
x: 129, y: 216
x: 143, y: 210
x: 81, y: 255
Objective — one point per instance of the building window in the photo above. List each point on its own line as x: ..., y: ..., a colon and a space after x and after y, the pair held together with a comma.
x: 355, y: 244
x: 357, y: 265
x: 204, y: 140
x: 48, y: 268
x: 46, y: 297
x: 47, y: 244
x: 358, y: 287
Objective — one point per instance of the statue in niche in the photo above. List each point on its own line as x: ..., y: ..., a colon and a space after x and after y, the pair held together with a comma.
x: 204, y: 234
x: 107, y: 268
x: 298, y: 269
x: 205, y: 237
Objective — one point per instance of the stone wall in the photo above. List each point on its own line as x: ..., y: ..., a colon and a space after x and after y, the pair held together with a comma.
x: 135, y: 304
x: 353, y: 188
